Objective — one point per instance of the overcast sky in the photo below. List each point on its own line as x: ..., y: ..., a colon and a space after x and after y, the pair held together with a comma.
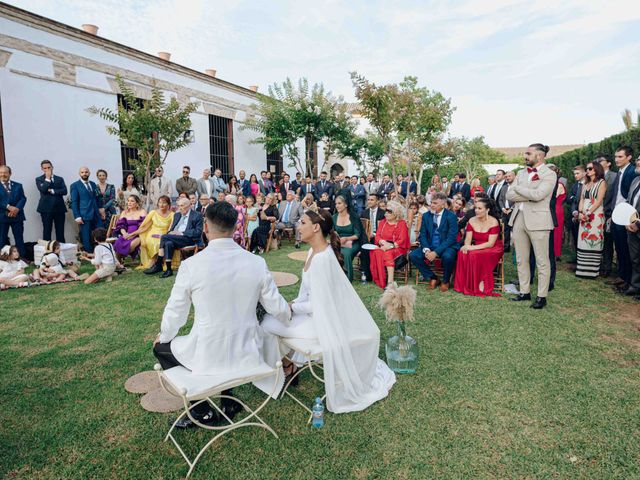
x: 518, y: 71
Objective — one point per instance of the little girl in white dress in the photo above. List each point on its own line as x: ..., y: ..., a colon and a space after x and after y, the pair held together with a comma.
x: 12, y: 268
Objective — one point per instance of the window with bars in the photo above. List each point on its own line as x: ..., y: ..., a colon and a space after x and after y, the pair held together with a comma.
x: 221, y: 145
x: 274, y: 163
x: 128, y: 153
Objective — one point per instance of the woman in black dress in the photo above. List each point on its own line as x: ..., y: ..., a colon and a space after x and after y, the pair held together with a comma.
x: 267, y: 215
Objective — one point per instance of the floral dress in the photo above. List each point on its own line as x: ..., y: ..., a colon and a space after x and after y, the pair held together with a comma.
x: 590, y: 236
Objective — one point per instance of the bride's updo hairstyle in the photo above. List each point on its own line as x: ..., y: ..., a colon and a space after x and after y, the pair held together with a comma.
x: 323, y: 218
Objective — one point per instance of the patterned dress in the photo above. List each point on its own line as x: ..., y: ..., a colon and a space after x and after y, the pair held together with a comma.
x: 590, y: 236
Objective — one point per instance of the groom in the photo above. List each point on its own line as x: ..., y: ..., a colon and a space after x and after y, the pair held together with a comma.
x: 224, y: 283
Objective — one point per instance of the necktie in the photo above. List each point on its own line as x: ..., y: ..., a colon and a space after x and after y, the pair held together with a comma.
x: 372, y: 221
x: 285, y: 216
x: 159, y: 183
x: 435, y: 220
x: 86, y: 184
x: 531, y: 170
x: 7, y: 187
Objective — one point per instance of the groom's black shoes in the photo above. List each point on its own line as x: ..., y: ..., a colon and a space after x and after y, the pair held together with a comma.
x: 539, y: 303
x: 521, y: 297
x: 210, y: 418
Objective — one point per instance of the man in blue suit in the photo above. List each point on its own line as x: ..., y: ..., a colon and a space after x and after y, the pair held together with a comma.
x: 438, y: 239
x: 620, y: 193
x: 358, y: 194
x: 324, y: 186
x: 463, y: 187
x: 12, y: 201
x: 307, y: 187
x: 408, y: 185
x: 51, y: 206
x: 85, y: 207
x: 243, y: 183
x: 185, y: 231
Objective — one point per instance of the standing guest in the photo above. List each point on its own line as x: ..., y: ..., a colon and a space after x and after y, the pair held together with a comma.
x: 436, y: 183
x: 104, y: 258
x: 130, y: 221
x: 358, y: 194
x: 579, y: 174
x: 349, y: 228
x: 159, y: 186
x: 403, y: 186
x: 12, y: 268
x: 532, y: 221
x: 392, y: 238
x: 269, y: 183
x: 458, y: 206
x: 591, y: 230
x: 499, y: 192
x: 324, y: 186
x: 446, y: 186
x: 297, y: 183
x: 491, y: 185
x: 251, y: 215
x: 286, y: 185
x: 626, y: 174
x: 414, y: 221
x: 308, y: 187
x: 371, y: 186
x: 398, y: 183
x: 325, y: 203
x: 186, y: 183
x: 254, y: 186
x: 386, y: 187
x: 205, y: 185
x: 340, y: 184
x: 106, y: 197
x: 218, y: 183
x: 12, y: 202
x: 438, y: 239
x: 633, y: 237
x: 481, y: 252
x: 463, y: 187
x: 129, y: 187
x: 263, y: 182
x: 233, y: 188
x: 611, y: 178
x: 455, y: 186
x: 476, y: 187
x: 267, y: 215
x: 51, y: 206
x: 506, y: 208
x: 84, y: 203
x: 244, y: 183
x: 157, y: 223
x: 558, y: 232
x: 290, y: 213
x: 185, y: 231
x: 413, y: 185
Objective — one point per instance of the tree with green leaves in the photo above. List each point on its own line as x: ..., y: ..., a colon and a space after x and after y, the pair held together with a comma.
x: 293, y: 112
x: 627, y: 119
x: 367, y: 151
x: 470, y: 155
x: 153, y: 127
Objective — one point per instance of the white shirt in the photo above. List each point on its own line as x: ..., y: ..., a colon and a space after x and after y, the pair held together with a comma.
x: 373, y: 214
x: 496, y: 191
x: 620, y: 198
x: 182, y: 223
x: 103, y: 255
x: 207, y: 185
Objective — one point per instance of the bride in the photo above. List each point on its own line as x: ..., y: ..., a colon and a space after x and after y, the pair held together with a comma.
x: 330, y: 311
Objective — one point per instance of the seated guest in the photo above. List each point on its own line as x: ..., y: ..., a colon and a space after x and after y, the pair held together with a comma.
x: 267, y: 215
x: 203, y: 203
x: 290, y: 212
x: 309, y: 203
x: 238, y: 234
x: 241, y: 201
x: 329, y: 311
x: 156, y: 224
x: 185, y: 231
x: 104, y: 258
x: 480, y: 254
x: 414, y: 221
x: 458, y: 207
x: 193, y: 200
x: 52, y: 270
x: 374, y: 214
x: 12, y: 268
x: 438, y: 239
x: 476, y: 187
x: 129, y: 221
x: 224, y: 283
x: 349, y: 228
x: 183, y: 195
x: 325, y: 203
x: 422, y: 204
x: 392, y: 238
x: 251, y: 213
x: 221, y: 196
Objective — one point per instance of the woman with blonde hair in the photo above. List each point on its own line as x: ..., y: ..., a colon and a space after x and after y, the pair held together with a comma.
x: 476, y: 187
x: 392, y: 240
x: 154, y: 226
x: 130, y: 220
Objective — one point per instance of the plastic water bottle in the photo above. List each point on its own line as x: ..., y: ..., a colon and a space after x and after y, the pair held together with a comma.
x: 363, y: 278
x: 318, y: 414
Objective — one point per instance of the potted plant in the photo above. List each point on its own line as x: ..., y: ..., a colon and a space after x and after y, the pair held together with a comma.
x: 402, y: 350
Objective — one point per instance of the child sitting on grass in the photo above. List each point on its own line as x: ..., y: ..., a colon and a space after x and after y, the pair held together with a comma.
x: 103, y: 258
x: 12, y: 268
x: 51, y: 268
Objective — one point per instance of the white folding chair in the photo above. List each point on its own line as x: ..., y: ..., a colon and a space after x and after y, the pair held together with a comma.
x: 312, y: 353
x: 180, y: 382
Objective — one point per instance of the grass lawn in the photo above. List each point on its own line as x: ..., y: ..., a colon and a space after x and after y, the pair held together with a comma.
x: 502, y: 391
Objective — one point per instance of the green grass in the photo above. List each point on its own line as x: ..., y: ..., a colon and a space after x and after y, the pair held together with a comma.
x: 502, y: 392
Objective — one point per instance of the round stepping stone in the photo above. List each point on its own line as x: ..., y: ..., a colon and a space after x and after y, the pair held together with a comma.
x: 301, y: 256
x: 159, y: 401
x: 283, y: 279
x: 142, y: 382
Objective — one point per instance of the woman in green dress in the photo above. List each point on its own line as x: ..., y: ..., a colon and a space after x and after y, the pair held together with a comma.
x: 349, y: 228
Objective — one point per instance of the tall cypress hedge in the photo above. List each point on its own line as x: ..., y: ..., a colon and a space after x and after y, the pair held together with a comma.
x: 581, y: 156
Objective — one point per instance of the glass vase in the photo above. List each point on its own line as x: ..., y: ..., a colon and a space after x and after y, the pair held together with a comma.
x: 402, y: 351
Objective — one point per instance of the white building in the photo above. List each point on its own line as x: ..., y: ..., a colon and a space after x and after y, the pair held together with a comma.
x: 50, y: 73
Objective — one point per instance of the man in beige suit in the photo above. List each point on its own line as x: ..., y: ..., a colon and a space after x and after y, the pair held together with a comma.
x: 532, y: 222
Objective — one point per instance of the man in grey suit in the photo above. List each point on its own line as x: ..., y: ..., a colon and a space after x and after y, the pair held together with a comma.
x: 633, y: 236
x: 609, y: 203
x: 205, y: 185
x: 532, y: 222
x: 218, y: 182
x: 290, y: 212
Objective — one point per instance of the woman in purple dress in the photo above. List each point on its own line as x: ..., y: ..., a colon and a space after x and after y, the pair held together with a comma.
x: 129, y: 221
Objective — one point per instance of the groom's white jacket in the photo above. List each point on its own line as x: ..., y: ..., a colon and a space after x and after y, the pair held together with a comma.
x: 224, y: 283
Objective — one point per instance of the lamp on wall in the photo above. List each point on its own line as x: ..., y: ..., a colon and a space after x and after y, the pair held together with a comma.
x: 189, y: 136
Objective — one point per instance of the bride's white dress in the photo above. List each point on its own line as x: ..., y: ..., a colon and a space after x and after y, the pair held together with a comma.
x: 329, y: 310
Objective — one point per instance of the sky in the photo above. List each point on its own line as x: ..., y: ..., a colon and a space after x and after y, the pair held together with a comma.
x: 517, y: 71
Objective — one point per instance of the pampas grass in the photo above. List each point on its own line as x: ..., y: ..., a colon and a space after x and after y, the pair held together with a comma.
x: 398, y: 302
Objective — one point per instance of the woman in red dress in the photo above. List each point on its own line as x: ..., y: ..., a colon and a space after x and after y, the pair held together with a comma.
x: 392, y: 236
x: 561, y: 194
x: 481, y: 252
